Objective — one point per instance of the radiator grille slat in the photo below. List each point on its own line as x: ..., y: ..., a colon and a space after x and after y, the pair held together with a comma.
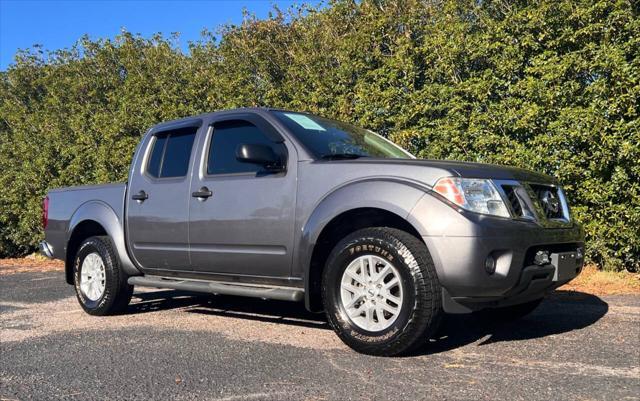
x: 516, y: 206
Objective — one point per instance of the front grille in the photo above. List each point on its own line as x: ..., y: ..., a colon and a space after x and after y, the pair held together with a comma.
x: 549, y: 200
x: 514, y: 202
x: 541, y: 202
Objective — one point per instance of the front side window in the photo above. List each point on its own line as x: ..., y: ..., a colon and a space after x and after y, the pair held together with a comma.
x: 330, y: 139
x: 227, y: 135
x: 171, y: 153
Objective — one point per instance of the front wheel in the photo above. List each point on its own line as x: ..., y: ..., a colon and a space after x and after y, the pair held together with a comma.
x: 100, y: 283
x: 381, y: 293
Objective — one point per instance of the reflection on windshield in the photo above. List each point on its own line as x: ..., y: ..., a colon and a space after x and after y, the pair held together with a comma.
x: 329, y: 139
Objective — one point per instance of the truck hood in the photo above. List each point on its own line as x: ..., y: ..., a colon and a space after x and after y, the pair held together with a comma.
x: 465, y: 169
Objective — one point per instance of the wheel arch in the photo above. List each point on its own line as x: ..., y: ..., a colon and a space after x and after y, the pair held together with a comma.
x: 91, y: 219
x: 373, y: 203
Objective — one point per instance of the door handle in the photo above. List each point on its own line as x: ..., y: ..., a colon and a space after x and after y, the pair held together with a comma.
x: 202, y: 193
x: 140, y: 196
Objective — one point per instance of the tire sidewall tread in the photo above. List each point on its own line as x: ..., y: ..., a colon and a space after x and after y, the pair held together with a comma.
x: 117, y: 292
x: 422, y: 304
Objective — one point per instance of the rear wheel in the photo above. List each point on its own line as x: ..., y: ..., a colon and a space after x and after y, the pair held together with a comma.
x: 381, y: 293
x: 100, y: 283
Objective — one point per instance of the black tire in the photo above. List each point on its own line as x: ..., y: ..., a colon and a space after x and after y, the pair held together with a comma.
x: 421, y: 309
x: 117, y: 292
x: 514, y: 312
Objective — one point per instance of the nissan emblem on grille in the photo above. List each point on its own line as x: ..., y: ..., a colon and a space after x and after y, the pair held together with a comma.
x: 550, y: 202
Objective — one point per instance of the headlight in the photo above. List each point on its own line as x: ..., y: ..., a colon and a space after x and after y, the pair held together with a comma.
x: 473, y: 194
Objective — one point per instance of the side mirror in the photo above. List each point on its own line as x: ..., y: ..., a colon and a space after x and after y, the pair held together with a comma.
x: 259, y: 154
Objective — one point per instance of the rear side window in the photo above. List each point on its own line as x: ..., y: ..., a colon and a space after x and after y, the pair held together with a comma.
x: 171, y: 153
x: 227, y: 136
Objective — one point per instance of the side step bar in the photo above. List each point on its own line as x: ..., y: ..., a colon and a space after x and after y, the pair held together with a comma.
x: 279, y: 293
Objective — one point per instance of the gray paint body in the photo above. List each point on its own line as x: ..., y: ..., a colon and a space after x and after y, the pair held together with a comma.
x: 263, y: 229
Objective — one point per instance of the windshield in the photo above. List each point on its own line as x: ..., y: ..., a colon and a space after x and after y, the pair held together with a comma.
x: 329, y: 139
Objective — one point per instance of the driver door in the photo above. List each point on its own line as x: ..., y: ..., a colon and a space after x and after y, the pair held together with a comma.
x: 245, y: 224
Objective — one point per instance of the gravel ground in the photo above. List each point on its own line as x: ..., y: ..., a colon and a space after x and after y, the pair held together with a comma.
x: 177, y: 345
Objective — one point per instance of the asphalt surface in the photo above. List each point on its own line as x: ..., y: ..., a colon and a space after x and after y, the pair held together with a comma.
x: 177, y: 345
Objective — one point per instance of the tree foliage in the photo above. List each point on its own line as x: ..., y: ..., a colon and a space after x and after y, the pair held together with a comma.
x: 550, y: 85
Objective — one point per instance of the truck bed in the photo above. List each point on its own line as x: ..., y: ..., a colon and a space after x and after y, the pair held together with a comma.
x: 67, y: 204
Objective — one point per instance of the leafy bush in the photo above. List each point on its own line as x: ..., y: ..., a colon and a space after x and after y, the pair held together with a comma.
x: 548, y: 85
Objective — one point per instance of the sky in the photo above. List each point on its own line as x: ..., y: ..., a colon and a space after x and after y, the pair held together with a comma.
x: 58, y: 24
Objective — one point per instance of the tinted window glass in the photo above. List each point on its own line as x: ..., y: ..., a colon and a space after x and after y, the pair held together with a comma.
x: 171, y: 153
x: 226, y: 138
x: 156, y: 156
x: 177, y: 155
x: 330, y: 139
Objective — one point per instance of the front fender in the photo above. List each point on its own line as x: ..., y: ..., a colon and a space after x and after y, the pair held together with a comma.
x: 103, y: 214
x: 389, y: 194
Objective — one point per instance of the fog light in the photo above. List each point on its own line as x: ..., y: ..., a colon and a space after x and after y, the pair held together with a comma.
x: 490, y: 264
x: 579, y: 253
x: 541, y: 258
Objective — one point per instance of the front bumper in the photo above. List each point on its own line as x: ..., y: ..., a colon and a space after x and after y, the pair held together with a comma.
x: 534, y: 283
x: 460, y: 241
x: 468, y: 286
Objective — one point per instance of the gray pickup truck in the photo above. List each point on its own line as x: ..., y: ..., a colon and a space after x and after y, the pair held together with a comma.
x: 290, y: 206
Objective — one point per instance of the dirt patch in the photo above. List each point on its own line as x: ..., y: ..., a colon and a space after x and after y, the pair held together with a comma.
x: 598, y: 282
x: 23, y: 321
x: 31, y: 263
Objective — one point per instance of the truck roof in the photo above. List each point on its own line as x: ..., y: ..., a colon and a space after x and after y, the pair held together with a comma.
x: 256, y: 110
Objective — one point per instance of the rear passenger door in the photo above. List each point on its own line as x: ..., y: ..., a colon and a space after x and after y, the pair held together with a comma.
x: 245, y: 226
x: 158, y: 199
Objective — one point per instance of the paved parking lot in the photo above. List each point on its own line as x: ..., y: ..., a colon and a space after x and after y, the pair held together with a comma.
x: 177, y: 345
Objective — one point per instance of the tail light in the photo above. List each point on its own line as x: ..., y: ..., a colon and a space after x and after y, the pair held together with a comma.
x: 45, y: 211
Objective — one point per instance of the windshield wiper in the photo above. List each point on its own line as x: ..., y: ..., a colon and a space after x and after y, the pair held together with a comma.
x: 341, y: 156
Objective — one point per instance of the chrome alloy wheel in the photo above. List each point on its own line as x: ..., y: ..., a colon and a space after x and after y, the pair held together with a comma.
x: 92, y: 276
x: 371, y: 293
